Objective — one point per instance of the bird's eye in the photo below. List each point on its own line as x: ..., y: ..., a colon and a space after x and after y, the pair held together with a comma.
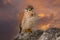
x: 29, y: 9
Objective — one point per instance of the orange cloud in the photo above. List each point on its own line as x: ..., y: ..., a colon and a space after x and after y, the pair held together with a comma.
x: 48, y: 10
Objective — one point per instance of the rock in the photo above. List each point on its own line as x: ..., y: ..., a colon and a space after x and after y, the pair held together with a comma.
x: 31, y: 36
x: 51, y: 34
x: 58, y: 38
x: 46, y: 36
x: 35, y: 35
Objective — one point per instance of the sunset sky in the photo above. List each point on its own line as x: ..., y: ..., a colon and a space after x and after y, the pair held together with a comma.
x: 47, y: 10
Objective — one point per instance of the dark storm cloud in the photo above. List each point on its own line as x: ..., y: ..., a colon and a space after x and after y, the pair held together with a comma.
x: 8, y: 20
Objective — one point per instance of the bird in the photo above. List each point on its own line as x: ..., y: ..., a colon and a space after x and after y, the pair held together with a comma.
x: 28, y: 23
x: 29, y: 19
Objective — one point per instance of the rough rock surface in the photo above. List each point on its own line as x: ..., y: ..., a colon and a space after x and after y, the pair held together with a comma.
x: 51, y: 34
x: 31, y: 36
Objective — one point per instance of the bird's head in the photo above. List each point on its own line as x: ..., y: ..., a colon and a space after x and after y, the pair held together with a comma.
x: 29, y: 8
x: 29, y: 11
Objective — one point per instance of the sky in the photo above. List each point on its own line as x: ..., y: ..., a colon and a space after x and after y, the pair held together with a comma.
x: 8, y: 21
x: 47, y: 10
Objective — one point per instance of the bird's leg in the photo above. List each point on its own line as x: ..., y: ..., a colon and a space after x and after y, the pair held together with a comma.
x: 28, y: 30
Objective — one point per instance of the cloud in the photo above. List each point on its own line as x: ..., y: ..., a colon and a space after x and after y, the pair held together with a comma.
x: 8, y: 21
x: 51, y: 8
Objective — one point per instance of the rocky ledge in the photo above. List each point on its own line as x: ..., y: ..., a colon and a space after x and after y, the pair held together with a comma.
x: 50, y: 34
